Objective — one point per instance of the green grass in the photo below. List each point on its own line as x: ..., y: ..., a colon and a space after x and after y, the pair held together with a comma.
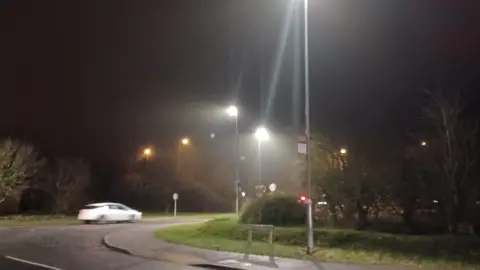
x: 156, y: 215
x: 59, y: 220
x: 347, y: 246
x: 37, y: 220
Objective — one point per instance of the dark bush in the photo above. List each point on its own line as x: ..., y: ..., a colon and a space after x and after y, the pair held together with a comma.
x: 279, y: 210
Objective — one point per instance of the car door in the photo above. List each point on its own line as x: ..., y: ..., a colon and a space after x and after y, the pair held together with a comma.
x: 124, y: 212
x: 114, y: 212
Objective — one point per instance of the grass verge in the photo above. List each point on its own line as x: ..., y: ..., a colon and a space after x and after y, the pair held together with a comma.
x: 153, y: 215
x: 59, y: 220
x: 346, y: 246
x: 37, y: 220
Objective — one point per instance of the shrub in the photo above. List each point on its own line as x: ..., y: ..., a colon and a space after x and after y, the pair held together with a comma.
x: 278, y: 210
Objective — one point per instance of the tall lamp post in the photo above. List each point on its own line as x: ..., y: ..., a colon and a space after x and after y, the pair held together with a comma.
x: 183, y: 141
x: 232, y: 111
x: 261, y: 134
x: 307, y: 133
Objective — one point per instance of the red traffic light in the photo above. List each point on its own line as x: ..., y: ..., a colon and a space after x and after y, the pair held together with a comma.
x: 302, y: 199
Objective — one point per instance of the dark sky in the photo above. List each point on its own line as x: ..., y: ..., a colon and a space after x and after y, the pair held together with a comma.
x: 100, y: 78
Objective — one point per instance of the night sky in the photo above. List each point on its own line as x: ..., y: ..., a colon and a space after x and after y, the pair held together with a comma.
x: 99, y: 79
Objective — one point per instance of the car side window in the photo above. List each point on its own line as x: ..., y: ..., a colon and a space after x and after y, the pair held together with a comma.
x: 121, y: 207
x: 112, y: 207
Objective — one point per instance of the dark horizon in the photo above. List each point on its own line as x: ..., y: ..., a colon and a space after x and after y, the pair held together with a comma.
x: 102, y: 79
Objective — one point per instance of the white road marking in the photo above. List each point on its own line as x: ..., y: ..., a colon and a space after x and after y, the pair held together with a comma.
x: 32, y: 263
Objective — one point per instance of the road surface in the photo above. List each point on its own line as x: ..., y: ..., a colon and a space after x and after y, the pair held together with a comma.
x: 76, y: 247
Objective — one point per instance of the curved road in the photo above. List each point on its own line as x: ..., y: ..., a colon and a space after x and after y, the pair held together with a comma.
x: 75, y: 247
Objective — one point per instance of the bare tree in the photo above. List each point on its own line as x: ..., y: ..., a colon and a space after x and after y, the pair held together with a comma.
x: 18, y: 163
x: 455, y: 140
x: 69, y: 179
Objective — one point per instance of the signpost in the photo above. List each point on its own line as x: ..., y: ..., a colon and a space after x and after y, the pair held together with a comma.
x: 302, y: 144
x: 272, y: 187
x: 175, y: 198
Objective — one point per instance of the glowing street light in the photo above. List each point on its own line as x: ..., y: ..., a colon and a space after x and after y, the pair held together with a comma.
x: 147, y: 152
x: 184, y: 141
x: 232, y: 111
x: 243, y: 193
x: 423, y: 143
x: 343, y: 151
x: 261, y: 134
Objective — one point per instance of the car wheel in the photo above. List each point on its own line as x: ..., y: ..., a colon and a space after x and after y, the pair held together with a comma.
x: 86, y: 222
x: 132, y: 219
x: 102, y: 219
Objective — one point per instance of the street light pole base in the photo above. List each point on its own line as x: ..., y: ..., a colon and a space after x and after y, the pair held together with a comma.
x: 237, y: 201
x: 309, y: 228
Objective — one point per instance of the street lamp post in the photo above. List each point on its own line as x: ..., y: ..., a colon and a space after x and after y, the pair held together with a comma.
x: 183, y: 141
x: 232, y: 111
x: 261, y: 134
x: 307, y: 131
x: 259, y: 149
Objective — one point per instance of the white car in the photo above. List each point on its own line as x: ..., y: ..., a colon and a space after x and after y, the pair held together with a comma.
x: 108, y: 212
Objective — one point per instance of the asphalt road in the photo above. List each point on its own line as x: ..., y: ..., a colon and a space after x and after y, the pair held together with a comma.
x: 76, y: 247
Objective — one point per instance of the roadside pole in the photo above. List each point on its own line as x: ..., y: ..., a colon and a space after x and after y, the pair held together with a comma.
x: 175, y: 198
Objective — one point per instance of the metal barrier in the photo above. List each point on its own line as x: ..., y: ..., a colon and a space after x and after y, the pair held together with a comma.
x: 262, y: 228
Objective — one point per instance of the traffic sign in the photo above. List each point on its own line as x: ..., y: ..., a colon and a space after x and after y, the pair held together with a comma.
x: 175, y: 196
x: 272, y: 187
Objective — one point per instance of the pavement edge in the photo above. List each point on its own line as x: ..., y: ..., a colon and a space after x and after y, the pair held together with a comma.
x: 171, y: 257
x: 113, y: 247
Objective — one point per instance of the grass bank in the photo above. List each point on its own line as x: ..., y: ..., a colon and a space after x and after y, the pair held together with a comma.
x: 60, y: 220
x: 347, y: 246
x: 37, y: 220
x: 159, y: 215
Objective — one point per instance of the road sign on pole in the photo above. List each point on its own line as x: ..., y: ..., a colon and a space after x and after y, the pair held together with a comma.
x: 175, y: 198
x: 272, y: 187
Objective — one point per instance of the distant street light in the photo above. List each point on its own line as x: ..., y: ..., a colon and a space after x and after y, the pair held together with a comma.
x: 261, y: 134
x: 243, y: 193
x: 343, y: 151
x: 232, y: 111
x: 147, y: 152
x: 184, y: 141
x: 423, y: 143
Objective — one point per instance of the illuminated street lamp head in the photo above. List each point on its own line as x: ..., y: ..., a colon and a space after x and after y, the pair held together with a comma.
x: 343, y: 151
x: 147, y: 152
x: 423, y: 143
x: 232, y: 111
x: 185, y: 141
x: 261, y: 134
